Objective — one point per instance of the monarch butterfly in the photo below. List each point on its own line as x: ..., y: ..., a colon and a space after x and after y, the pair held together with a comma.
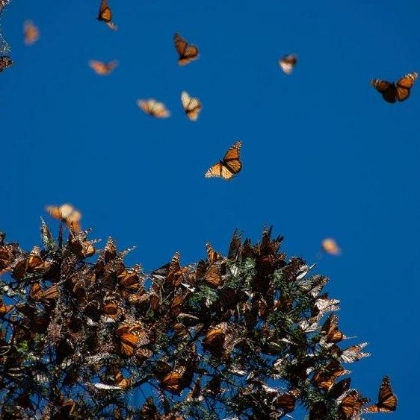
x: 287, y: 63
x: 229, y: 166
x: 350, y: 354
x: 339, y: 388
x: 330, y: 246
x: 173, y: 381
x: 398, y: 91
x: 130, y: 337
x: 351, y: 405
x: 102, y: 68
x: 31, y: 33
x: 192, y: 106
x: 287, y: 401
x: 5, y: 61
x: 68, y: 214
x: 387, y: 400
x: 187, y: 52
x: 326, y: 376
x: 105, y: 14
x: 153, y: 108
x: 330, y: 330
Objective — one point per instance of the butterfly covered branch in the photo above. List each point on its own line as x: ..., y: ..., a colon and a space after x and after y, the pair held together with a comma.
x: 82, y: 333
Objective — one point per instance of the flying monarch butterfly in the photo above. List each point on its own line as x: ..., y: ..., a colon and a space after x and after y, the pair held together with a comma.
x: 398, y: 91
x: 105, y: 15
x: 68, y: 214
x: 330, y: 246
x: 153, y: 108
x: 192, y: 106
x: 31, y: 33
x: 387, y: 400
x: 5, y: 61
x: 187, y: 52
x: 103, y: 68
x: 287, y: 63
x: 229, y: 166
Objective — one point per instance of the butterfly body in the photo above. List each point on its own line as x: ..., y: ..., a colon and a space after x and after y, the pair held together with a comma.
x: 398, y: 91
x: 229, y: 166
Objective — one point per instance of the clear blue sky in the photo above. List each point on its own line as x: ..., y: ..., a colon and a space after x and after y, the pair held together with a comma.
x: 323, y: 153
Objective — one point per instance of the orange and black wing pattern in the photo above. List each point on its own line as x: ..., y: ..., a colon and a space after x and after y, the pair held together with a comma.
x: 102, y: 68
x: 66, y: 213
x: 387, y: 400
x: 192, y: 106
x: 187, y: 52
x: 153, y: 108
x: 105, y: 14
x: 393, y: 92
x: 229, y: 166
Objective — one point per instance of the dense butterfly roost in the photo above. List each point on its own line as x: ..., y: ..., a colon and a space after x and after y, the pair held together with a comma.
x: 242, y: 336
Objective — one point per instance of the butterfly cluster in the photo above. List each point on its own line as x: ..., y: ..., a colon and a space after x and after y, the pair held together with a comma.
x: 239, y: 322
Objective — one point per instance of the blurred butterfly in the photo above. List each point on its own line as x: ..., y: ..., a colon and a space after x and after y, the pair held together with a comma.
x: 330, y: 246
x: 287, y: 63
x: 103, y: 68
x: 66, y: 213
x: 387, y: 400
x: 153, y: 108
x: 187, y: 52
x: 31, y: 33
x: 229, y: 166
x: 192, y: 106
x: 105, y: 15
x: 398, y: 91
x: 5, y: 61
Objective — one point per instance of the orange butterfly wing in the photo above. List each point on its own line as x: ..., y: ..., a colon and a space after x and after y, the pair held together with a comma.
x: 102, y: 68
x: 404, y: 85
x: 31, y: 33
x: 105, y: 15
x: 192, y: 106
x: 387, y: 400
x: 187, y: 52
x: 229, y: 166
x: 153, y: 108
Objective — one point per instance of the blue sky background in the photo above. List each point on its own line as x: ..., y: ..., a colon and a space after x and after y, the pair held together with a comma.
x: 323, y: 153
